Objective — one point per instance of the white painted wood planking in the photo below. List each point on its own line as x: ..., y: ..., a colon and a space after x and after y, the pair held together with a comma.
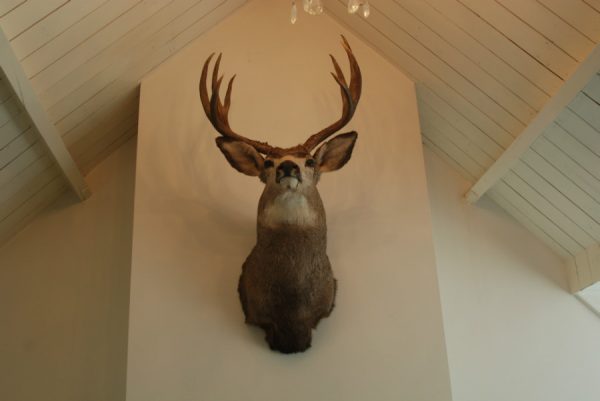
x: 578, y: 14
x: 470, y: 47
x: 527, y: 222
x: 499, y: 43
x: 52, y: 25
x: 544, y: 223
x: 524, y: 36
x: 26, y: 15
x: 568, y: 178
x: 578, y: 215
x: 545, y: 207
x: 565, y: 36
x: 575, y: 149
x: 51, y: 139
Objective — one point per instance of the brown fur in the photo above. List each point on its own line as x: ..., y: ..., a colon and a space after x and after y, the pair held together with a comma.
x: 287, y: 285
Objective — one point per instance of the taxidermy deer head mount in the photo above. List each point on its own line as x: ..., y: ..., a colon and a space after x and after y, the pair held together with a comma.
x: 287, y: 285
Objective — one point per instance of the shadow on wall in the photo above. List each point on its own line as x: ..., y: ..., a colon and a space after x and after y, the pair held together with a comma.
x: 64, y: 293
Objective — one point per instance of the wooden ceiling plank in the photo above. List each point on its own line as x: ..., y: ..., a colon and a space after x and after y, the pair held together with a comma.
x: 27, y: 15
x: 593, y: 88
x: 52, y: 140
x: 580, y: 129
x: 107, y: 113
x: 543, y: 205
x: 578, y: 80
x: 595, y: 4
x: 455, y: 152
x: 575, y: 149
x: 458, y: 121
x: 60, y: 67
x: 30, y: 208
x: 418, y: 72
x: 17, y: 146
x: 548, y: 24
x: 8, y: 110
x: 564, y: 173
x: 524, y: 36
x: 477, y: 52
x: 30, y: 155
x: 8, y: 6
x: 116, y: 60
x: 528, y: 223
x: 448, y: 159
x: 30, y: 188
x: 578, y: 14
x: 430, y: 120
x: 51, y: 26
x: 76, y: 34
x: 586, y: 109
x: 25, y: 176
x: 430, y: 61
x: 562, y: 201
x: 541, y: 220
x: 499, y: 44
x: 426, y: 45
x: 10, y: 129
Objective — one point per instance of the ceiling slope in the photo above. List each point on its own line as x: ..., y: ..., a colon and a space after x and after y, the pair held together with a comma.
x: 485, y: 70
x: 554, y: 187
x: 84, y: 60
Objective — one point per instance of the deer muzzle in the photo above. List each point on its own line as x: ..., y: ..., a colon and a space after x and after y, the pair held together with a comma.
x: 288, y: 174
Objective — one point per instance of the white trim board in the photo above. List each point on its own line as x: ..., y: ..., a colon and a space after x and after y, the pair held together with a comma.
x: 572, y: 86
x: 17, y: 79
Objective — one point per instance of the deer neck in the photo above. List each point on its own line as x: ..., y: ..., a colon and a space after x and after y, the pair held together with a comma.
x: 291, y: 213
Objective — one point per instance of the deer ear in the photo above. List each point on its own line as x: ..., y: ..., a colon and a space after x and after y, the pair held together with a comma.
x: 242, y: 157
x: 333, y: 154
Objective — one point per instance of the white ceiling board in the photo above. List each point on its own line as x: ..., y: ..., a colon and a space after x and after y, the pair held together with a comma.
x: 84, y: 59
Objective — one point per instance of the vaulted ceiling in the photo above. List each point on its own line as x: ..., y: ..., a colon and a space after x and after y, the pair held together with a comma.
x: 507, y: 94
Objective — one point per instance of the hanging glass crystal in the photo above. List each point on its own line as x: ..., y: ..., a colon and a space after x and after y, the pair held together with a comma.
x: 293, y: 13
x: 305, y: 5
x: 353, y: 6
x: 366, y: 9
x: 315, y: 7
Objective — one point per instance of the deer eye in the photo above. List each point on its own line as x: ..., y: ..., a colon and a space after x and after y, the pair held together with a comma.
x: 310, y: 163
x: 268, y: 163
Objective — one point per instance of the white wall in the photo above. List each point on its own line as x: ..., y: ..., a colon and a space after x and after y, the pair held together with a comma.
x: 513, y: 332
x: 195, y: 216
x: 64, y: 292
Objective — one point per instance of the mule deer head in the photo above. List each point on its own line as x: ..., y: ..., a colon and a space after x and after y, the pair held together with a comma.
x: 287, y: 284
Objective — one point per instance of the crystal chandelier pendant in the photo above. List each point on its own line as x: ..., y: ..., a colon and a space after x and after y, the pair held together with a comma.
x: 366, y: 9
x: 293, y: 13
x: 353, y: 6
x: 315, y: 7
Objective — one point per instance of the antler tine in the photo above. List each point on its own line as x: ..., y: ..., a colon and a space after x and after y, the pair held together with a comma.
x: 217, y: 112
x: 350, y: 97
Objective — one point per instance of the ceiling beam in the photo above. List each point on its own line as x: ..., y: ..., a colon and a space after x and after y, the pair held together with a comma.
x: 573, y: 85
x: 9, y: 64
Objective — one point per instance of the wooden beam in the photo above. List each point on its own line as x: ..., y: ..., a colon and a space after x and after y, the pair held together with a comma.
x: 576, y: 82
x: 9, y: 64
x: 584, y: 268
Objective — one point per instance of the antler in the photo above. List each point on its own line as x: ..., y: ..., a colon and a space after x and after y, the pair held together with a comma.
x: 350, y: 97
x: 217, y: 112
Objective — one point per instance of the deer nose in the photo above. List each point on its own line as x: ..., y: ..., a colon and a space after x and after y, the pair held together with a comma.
x: 288, y: 169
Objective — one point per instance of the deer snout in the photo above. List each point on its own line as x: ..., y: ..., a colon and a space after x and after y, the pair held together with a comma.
x: 288, y: 169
